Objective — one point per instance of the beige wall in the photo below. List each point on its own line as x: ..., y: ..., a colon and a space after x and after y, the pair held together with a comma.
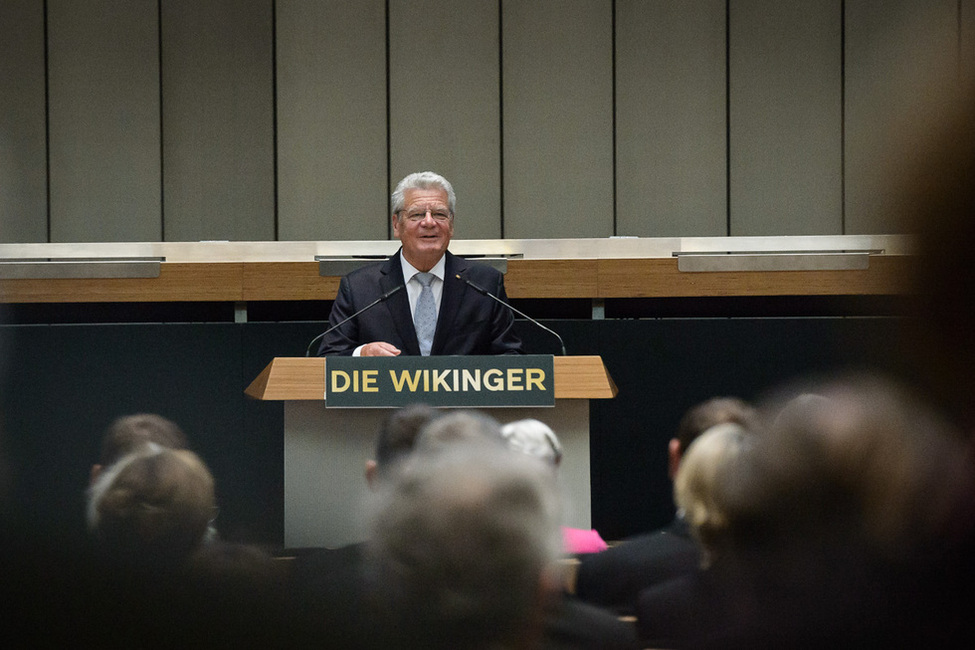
x: 180, y: 120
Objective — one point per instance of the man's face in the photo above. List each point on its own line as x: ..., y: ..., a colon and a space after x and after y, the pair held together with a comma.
x: 424, y: 226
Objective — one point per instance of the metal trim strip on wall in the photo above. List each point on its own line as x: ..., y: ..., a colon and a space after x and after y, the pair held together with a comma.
x: 712, y: 263
x: 78, y: 269
x: 337, y: 267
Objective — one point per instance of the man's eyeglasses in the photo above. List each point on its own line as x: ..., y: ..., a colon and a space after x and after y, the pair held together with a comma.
x: 417, y: 216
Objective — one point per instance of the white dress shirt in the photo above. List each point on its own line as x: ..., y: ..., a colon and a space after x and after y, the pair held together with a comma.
x: 413, y: 288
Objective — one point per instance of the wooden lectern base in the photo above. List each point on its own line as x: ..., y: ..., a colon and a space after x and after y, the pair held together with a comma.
x: 327, y: 501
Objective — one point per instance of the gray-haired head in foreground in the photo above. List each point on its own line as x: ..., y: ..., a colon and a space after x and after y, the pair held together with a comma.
x: 461, y: 547
x: 469, y: 427
x: 422, y: 181
x: 534, y: 438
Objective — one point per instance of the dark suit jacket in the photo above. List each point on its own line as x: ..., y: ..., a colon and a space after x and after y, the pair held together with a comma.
x: 615, y: 577
x: 574, y: 625
x: 327, y: 588
x: 469, y: 322
x: 330, y: 589
x: 681, y: 612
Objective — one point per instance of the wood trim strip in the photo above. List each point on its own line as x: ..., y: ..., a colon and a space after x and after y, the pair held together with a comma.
x: 526, y: 279
x: 552, y: 279
x: 177, y: 282
x: 287, y: 281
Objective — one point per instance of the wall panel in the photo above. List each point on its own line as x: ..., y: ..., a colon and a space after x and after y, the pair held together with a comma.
x: 671, y: 144
x: 331, y: 120
x: 899, y: 56
x: 557, y: 118
x: 218, y: 138
x: 785, y: 135
x: 103, y: 69
x: 966, y: 49
x: 444, y: 103
x: 147, y: 140
x: 23, y: 138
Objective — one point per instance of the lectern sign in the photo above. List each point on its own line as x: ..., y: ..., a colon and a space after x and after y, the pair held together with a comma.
x: 463, y: 381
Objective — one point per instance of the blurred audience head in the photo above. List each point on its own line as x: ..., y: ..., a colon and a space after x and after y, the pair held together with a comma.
x: 152, y: 508
x: 396, y: 439
x: 464, y: 548
x: 456, y: 427
x: 132, y: 433
x: 534, y: 438
x: 706, y: 488
x: 863, y: 463
x: 851, y: 515
x: 702, y: 417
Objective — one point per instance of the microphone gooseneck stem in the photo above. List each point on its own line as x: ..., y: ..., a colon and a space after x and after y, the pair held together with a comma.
x: 490, y: 295
x: 342, y: 322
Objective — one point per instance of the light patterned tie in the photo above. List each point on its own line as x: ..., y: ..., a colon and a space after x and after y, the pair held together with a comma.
x: 425, y: 315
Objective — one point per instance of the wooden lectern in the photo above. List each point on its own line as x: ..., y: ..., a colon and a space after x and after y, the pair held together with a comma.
x: 326, y: 497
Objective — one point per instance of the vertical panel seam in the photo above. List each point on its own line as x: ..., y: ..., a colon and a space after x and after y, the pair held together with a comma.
x: 842, y: 117
x: 727, y: 114
x: 47, y: 123
x: 959, y: 58
x: 162, y: 132
x: 501, y: 115
x: 274, y: 117
x: 613, y: 73
x: 389, y: 135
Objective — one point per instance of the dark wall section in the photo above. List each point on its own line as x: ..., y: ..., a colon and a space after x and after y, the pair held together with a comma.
x: 66, y: 383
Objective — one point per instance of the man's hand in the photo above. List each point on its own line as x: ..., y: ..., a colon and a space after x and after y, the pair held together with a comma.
x: 379, y: 349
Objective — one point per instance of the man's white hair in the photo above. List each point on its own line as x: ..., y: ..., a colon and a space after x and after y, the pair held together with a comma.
x: 422, y: 181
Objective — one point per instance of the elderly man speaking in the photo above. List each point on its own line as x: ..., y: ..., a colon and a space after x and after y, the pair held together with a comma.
x: 443, y: 310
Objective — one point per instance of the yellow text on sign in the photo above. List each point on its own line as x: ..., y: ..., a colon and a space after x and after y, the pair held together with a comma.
x: 464, y: 380
x: 360, y: 381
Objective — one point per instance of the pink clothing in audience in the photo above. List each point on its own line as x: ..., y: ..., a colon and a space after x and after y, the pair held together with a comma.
x: 578, y: 540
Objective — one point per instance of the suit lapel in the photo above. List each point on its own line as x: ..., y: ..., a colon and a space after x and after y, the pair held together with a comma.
x: 450, y: 300
x: 399, y: 305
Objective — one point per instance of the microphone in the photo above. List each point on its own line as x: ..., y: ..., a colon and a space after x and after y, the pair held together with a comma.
x: 487, y: 293
x: 342, y: 322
